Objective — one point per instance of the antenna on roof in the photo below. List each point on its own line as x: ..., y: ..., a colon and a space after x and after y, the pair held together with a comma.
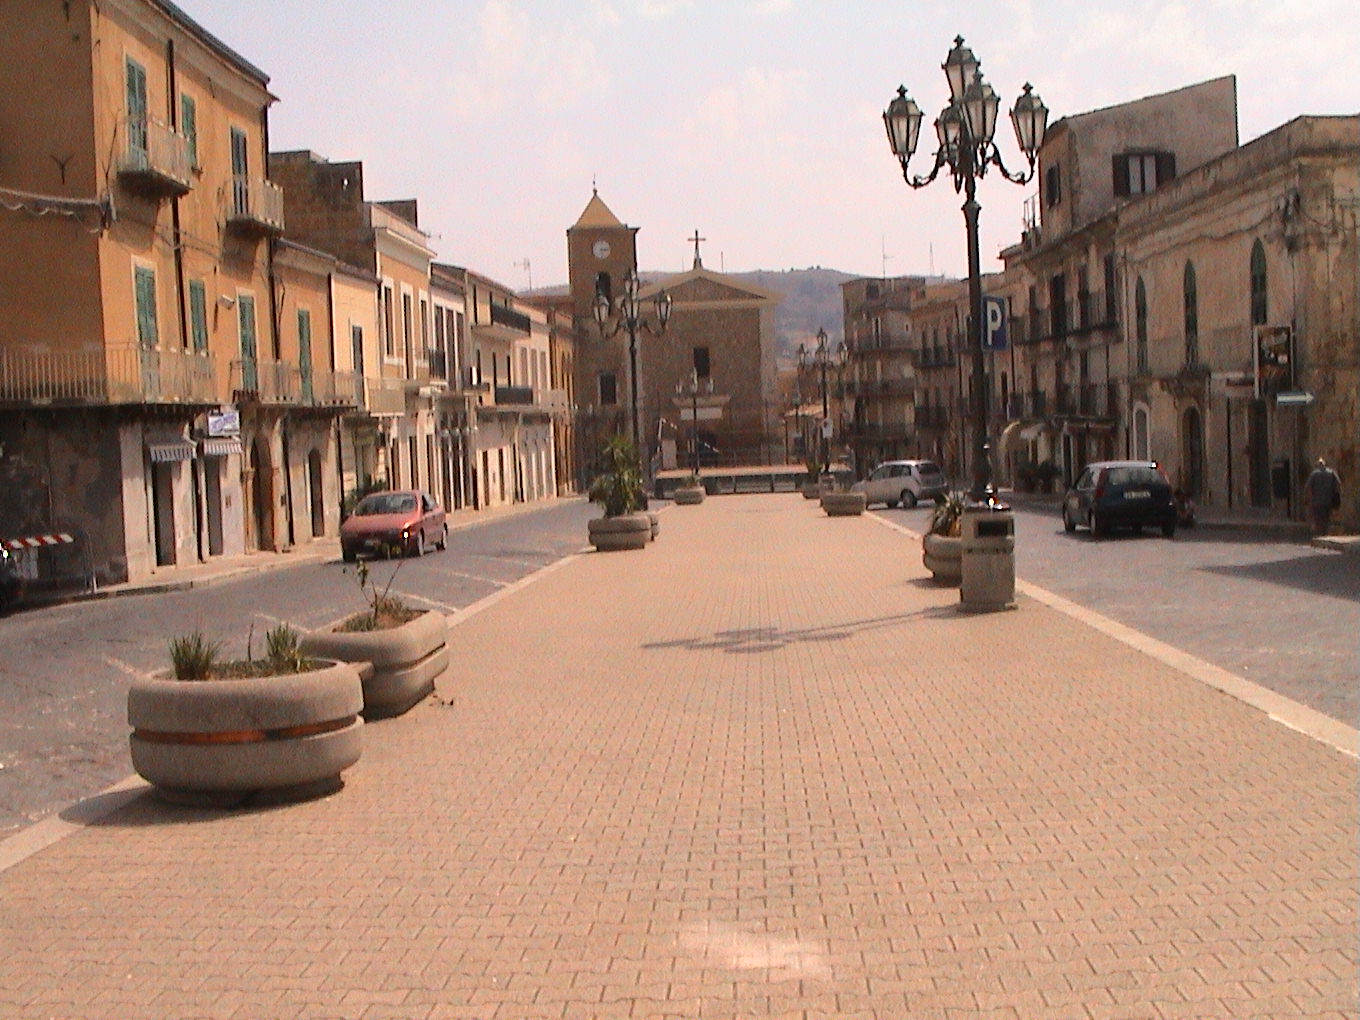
x: 883, y: 252
x: 524, y: 264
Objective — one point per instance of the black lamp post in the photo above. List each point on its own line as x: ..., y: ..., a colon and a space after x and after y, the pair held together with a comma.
x: 821, y: 357
x: 965, y: 130
x: 691, y: 388
x: 630, y: 319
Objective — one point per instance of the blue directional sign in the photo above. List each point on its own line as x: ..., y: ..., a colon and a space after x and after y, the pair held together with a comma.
x: 995, y: 331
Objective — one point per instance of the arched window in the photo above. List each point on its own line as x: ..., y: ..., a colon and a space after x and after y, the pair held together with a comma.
x: 1259, y: 307
x: 1191, y: 316
x: 1140, y: 325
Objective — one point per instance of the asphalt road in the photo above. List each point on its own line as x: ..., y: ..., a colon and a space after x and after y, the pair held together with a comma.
x: 64, y: 670
x: 1258, y: 603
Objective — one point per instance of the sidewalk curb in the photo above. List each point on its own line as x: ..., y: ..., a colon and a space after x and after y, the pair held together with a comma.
x: 1285, y: 711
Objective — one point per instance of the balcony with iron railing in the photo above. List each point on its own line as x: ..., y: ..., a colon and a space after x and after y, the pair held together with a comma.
x: 99, y: 375
x: 254, y: 205
x: 936, y: 357
x: 384, y: 396
x: 266, y: 381
x: 514, y: 396
x: 156, y: 161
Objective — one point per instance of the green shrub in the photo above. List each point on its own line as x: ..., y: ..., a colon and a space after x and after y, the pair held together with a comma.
x: 618, y: 486
x: 193, y: 656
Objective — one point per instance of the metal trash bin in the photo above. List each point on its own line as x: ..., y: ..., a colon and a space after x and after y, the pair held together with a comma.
x: 988, y: 558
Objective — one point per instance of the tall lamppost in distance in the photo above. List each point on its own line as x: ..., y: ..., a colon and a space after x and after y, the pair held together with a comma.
x: 965, y: 130
x: 821, y: 356
x: 691, y: 388
x: 630, y: 319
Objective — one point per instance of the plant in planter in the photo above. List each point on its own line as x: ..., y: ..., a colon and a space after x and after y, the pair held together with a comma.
x: 220, y: 732
x: 942, y: 546
x: 399, y: 651
x: 839, y: 501
x: 690, y: 490
x: 617, y: 489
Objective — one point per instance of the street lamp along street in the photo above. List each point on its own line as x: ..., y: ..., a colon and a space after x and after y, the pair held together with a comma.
x: 820, y: 357
x: 965, y: 130
x: 630, y: 319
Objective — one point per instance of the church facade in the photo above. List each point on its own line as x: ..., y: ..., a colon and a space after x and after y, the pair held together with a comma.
x: 706, y: 385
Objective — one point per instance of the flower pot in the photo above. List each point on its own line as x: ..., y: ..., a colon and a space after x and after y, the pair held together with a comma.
x: 943, y: 557
x: 404, y: 660
x: 222, y: 741
x: 810, y: 490
x: 689, y: 495
x: 627, y: 531
x: 843, y: 504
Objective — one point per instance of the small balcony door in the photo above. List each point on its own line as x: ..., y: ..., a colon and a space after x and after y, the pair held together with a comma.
x: 240, y: 168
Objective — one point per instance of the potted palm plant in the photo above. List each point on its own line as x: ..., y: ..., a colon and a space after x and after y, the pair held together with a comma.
x: 399, y: 651
x: 211, y: 731
x: 942, y: 546
x: 810, y: 487
x: 618, y: 488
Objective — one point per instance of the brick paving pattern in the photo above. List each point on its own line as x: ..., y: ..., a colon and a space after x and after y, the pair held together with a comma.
x: 763, y: 768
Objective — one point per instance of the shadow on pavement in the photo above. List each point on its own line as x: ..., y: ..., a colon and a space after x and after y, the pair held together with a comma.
x: 1321, y: 573
x: 768, y: 639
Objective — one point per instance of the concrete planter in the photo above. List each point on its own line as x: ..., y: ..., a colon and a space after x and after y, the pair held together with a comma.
x: 223, y: 741
x: 843, y: 504
x: 398, y: 665
x: 810, y: 490
x: 689, y: 495
x: 628, y: 531
x: 943, y: 557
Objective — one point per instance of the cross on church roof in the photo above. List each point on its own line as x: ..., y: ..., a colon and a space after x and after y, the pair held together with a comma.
x: 698, y: 262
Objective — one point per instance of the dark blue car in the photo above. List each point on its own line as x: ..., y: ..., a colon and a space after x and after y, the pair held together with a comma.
x: 1120, y: 494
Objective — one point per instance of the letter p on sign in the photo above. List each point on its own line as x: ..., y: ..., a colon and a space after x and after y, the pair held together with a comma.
x: 994, y: 332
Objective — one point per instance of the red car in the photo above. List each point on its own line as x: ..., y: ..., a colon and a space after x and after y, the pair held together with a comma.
x: 402, y: 522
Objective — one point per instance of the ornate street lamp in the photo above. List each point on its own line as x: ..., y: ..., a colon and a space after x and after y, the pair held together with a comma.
x: 820, y: 357
x: 630, y: 319
x: 691, y: 388
x: 964, y: 130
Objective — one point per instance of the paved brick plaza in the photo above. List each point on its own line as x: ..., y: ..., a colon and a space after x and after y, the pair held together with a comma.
x: 763, y: 768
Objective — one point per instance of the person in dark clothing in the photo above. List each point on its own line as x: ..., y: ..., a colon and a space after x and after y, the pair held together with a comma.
x: 1322, y: 494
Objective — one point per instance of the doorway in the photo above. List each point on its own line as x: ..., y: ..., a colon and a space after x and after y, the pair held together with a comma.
x: 318, y: 495
x: 262, y: 495
x: 1192, y: 452
x: 163, y: 510
x: 212, y: 498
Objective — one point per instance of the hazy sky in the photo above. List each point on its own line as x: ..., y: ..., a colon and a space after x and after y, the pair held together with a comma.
x: 756, y: 122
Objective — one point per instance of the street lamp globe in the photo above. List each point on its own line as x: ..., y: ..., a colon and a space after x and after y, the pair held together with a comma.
x: 1030, y: 117
x: 903, y: 119
x: 980, y: 105
x: 960, y: 67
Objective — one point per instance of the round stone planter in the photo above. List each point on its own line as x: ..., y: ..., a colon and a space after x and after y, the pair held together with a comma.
x: 810, y: 490
x: 224, y: 741
x: 629, y: 531
x: 843, y: 504
x: 689, y: 495
x: 398, y: 665
x: 943, y: 557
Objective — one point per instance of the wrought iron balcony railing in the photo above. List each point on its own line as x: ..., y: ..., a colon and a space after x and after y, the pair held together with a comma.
x: 113, y: 374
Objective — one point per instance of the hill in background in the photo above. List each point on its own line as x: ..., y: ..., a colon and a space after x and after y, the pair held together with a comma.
x: 812, y: 301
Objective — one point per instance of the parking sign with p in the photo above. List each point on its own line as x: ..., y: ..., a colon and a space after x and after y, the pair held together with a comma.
x: 995, y: 335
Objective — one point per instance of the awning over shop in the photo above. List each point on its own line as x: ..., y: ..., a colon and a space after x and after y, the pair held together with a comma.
x: 221, y: 447
x: 163, y: 453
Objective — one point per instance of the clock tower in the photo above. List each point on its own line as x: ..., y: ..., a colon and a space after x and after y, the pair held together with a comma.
x: 601, y: 251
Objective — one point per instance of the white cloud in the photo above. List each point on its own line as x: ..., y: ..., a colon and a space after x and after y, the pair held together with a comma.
x: 516, y: 58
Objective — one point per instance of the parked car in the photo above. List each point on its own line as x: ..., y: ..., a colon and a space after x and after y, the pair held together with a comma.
x: 1120, y: 494
x: 404, y: 522
x: 903, y: 481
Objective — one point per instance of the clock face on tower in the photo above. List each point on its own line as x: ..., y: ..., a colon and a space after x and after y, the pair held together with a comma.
x: 601, y: 249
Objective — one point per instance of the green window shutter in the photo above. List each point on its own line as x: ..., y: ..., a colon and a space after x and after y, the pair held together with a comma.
x: 305, y: 352
x: 136, y: 106
x: 145, y: 284
x: 188, y: 126
x: 245, y: 317
x: 198, y: 315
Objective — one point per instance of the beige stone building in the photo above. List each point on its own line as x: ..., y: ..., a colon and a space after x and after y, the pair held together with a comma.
x: 146, y: 387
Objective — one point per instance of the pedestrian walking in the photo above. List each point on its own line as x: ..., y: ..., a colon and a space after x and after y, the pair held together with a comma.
x: 1322, y: 493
